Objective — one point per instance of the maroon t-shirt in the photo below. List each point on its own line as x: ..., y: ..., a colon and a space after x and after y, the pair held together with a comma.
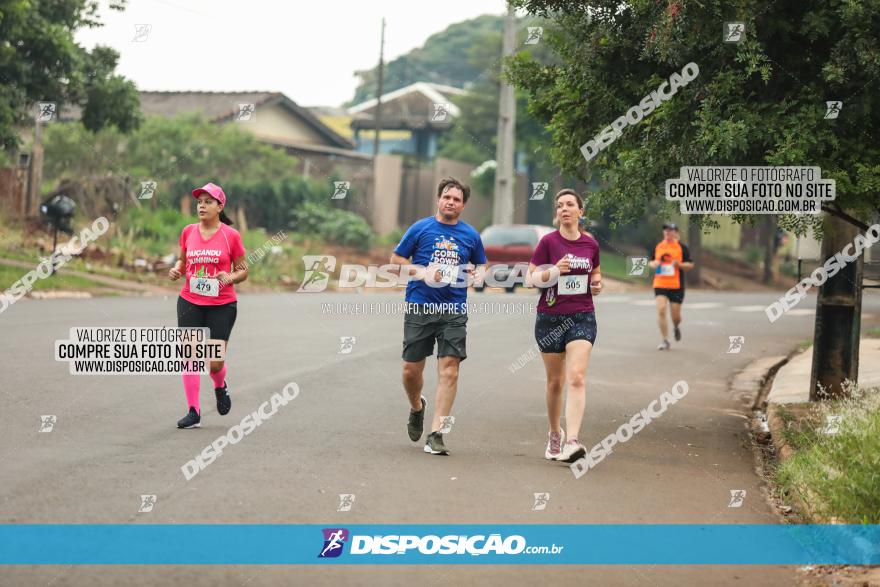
x: 575, y: 285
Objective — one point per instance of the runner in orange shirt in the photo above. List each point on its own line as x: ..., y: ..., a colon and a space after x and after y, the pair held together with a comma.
x: 671, y: 257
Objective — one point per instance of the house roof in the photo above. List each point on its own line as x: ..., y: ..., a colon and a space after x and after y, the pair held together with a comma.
x: 223, y: 106
x: 409, y: 107
x: 313, y: 148
x: 433, y: 92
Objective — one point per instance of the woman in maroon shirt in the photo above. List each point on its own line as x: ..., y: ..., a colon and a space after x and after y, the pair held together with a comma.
x: 565, y: 327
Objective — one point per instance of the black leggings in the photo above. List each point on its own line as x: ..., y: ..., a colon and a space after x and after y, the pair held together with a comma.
x: 219, y: 319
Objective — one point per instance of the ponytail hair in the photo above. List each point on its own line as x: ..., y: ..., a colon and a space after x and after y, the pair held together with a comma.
x: 224, y: 218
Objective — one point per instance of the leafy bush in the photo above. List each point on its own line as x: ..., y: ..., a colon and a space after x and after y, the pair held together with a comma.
x: 390, y: 239
x: 153, y: 232
x: 332, y: 224
x: 180, y: 154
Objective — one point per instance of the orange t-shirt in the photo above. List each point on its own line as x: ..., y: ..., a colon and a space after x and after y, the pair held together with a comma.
x: 667, y: 276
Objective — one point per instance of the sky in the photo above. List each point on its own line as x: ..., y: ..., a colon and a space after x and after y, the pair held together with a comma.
x: 307, y: 50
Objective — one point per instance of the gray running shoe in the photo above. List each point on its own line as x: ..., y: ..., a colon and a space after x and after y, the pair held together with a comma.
x: 554, y: 445
x: 663, y: 346
x: 416, y: 424
x: 435, y: 445
x: 677, y: 334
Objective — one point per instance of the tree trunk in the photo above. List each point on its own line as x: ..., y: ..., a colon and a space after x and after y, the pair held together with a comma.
x: 768, y: 241
x: 838, y: 317
x: 241, y: 219
x: 695, y: 245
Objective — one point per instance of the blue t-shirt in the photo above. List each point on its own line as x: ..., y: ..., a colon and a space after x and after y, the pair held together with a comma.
x: 446, y: 247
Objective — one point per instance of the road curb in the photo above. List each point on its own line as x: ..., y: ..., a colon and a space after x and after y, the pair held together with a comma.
x: 768, y: 427
x: 755, y: 379
x: 775, y: 426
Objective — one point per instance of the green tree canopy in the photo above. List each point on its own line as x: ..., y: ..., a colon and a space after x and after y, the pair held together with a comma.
x: 182, y: 153
x: 757, y: 102
x: 40, y: 61
x: 439, y: 60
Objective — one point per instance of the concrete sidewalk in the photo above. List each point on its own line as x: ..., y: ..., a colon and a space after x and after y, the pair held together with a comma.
x: 792, y: 382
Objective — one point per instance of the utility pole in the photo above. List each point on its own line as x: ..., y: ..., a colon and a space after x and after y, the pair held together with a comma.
x: 838, y: 316
x: 502, y: 207
x: 377, y: 119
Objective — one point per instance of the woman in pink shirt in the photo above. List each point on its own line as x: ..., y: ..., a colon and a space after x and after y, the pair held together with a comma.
x: 209, y: 250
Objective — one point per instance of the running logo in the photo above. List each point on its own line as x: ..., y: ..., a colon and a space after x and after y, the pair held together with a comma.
x: 446, y: 425
x: 346, y: 344
x: 539, y: 190
x: 334, y: 541
x: 346, y: 501
x: 535, y: 34
x: 736, y: 344
x: 832, y: 109
x: 247, y: 112
x: 832, y: 424
x: 638, y: 265
x: 148, y: 188
x: 575, y: 262
x: 340, y: 190
x: 318, y: 269
x: 46, y: 111
x: 737, y: 497
x: 141, y: 33
x: 47, y: 423
x: 147, y: 503
x: 734, y: 31
x: 440, y: 112
x: 541, y: 500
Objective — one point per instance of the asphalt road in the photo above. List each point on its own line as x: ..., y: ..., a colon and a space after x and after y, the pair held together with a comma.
x: 115, y: 437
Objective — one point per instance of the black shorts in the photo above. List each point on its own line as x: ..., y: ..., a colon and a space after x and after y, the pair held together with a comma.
x: 421, y: 329
x: 676, y: 296
x: 554, y: 331
x: 219, y: 319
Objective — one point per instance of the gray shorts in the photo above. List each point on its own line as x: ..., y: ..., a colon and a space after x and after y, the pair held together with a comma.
x: 420, y: 331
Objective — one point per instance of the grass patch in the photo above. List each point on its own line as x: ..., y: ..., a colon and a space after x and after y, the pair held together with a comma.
x: 614, y: 265
x: 804, y: 345
x: 273, y: 257
x: 837, y: 476
x: 872, y: 333
x: 9, y: 275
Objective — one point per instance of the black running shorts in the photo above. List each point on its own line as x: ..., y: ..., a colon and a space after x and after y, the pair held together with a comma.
x: 676, y: 296
x: 219, y: 319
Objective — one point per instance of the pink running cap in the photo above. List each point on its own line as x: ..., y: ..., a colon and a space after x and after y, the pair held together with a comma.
x: 213, y: 190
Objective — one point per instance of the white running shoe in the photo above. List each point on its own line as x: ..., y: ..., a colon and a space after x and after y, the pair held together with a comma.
x: 554, y: 445
x: 572, y: 451
x: 663, y: 346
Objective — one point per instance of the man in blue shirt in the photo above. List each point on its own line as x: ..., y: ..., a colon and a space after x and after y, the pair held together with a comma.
x: 444, y: 251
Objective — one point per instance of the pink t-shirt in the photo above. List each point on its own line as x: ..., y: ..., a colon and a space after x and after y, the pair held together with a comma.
x: 204, y: 259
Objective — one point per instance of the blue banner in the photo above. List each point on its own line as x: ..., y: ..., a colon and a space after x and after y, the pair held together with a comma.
x: 261, y: 544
